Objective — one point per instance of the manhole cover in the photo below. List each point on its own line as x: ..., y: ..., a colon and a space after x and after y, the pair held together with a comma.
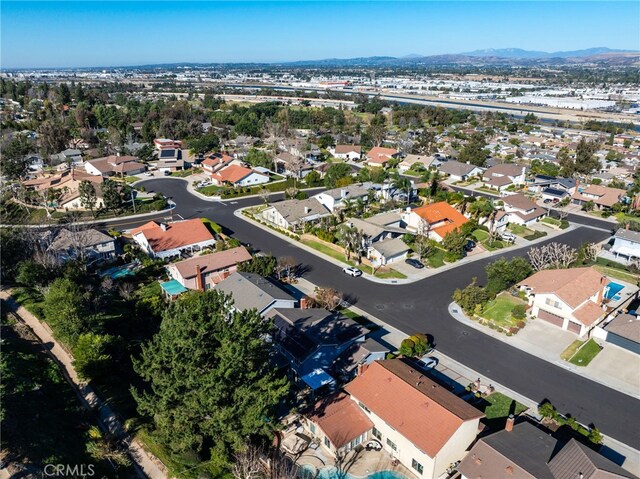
x: 465, y: 333
x: 454, y: 311
x: 379, y: 307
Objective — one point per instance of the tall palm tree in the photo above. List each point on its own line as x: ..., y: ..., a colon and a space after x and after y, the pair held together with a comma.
x: 403, y: 184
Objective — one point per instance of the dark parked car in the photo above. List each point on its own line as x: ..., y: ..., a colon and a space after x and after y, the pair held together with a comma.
x: 470, y: 245
x: 414, y: 262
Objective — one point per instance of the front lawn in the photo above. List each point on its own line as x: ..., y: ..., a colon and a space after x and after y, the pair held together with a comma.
x: 586, y: 353
x: 571, y: 350
x: 436, y: 259
x: 498, y: 310
x: 480, y: 235
x: 185, y: 173
x: 326, y: 250
x: 389, y: 273
x: 551, y: 221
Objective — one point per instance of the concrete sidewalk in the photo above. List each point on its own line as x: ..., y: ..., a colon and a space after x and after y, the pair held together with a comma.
x: 146, y: 464
x: 418, y: 275
x: 459, y: 376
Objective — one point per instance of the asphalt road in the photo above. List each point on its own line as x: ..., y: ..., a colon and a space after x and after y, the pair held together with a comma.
x: 422, y: 307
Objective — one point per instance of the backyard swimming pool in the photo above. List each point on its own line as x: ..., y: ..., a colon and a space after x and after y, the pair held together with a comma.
x: 612, y: 290
x: 308, y: 472
x: 120, y: 271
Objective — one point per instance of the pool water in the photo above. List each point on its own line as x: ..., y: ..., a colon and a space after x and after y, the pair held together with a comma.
x: 120, y: 271
x: 612, y: 291
x: 308, y: 472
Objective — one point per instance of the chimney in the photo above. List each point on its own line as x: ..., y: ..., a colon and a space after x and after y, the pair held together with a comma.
x: 199, y: 285
x: 361, y: 369
x: 344, y: 193
x: 603, y: 281
x: 307, y: 210
x: 304, y: 303
x: 164, y: 227
x: 627, y: 226
x: 509, y: 425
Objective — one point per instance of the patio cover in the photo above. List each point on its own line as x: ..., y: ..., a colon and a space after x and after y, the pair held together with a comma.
x: 173, y: 287
x: 317, y: 378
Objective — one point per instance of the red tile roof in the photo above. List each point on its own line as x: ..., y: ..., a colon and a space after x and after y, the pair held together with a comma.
x: 418, y: 408
x: 379, y: 154
x: 441, y: 212
x: 340, y: 418
x: 212, y: 262
x: 233, y: 174
x: 177, y: 235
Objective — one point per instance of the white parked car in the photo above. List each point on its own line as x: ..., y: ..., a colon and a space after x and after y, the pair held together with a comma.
x: 355, y: 272
x: 148, y: 173
x: 429, y: 362
x: 508, y: 236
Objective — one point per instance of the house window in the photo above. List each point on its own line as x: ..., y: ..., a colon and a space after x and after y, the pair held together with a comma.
x: 392, y: 444
x: 364, y: 407
x: 312, y: 428
x: 327, y: 442
x: 377, y: 434
x: 552, y: 302
x: 417, y: 466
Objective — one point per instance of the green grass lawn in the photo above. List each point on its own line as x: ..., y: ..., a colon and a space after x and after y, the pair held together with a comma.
x: 436, y: 259
x: 390, y: 274
x: 571, y: 350
x: 551, y: 221
x: 586, y: 353
x: 185, y: 173
x: 480, y: 235
x: 617, y: 273
x: 494, y: 245
x: 326, y: 250
x: 499, y: 310
x: 500, y: 406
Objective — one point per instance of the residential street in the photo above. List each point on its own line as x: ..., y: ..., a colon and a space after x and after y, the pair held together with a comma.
x: 422, y: 306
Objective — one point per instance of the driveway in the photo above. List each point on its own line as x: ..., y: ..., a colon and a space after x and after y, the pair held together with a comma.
x: 617, y: 365
x: 547, y: 340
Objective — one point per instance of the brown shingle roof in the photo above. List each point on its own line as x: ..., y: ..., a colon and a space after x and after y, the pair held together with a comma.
x: 340, y: 419
x: 588, y: 313
x: 605, y: 196
x: 519, y: 201
x: 212, y: 262
x: 574, y: 285
x: 418, y: 408
x: 342, y: 149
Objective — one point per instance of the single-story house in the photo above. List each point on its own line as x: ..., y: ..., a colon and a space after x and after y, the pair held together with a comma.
x: 346, y: 152
x: 410, y: 160
x: 390, y: 250
x: 601, y: 196
x: 551, y: 187
x: 164, y: 240
x: 292, y: 214
x: 115, y: 165
x: 524, y: 451
x: 68, y: 156
x: 237, y: 175
x: 624, y: 331
x: 205, y: 271
x: 458, y: 171
x: 521, y: 210
x: 414, y: 419
x: 252, y: 291
x: 434, y: 221
x: 89, y: 244
x: 571, y: 299
x: 380, y: 156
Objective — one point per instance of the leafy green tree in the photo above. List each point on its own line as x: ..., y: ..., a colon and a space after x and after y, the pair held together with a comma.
x: 313, y: 179
x: 454, y: 242
x: 262, y: 265
x: 111, y: 196
x: 471, y: 296
x: 32, y: 274
x: 64, y: 94
x: 415, y: 346
x: 90, y: 356
x: 203, y: 144
x: 350, y: 238
x: 145, y: 153
x: 64, y: 309
x: 14, y: 163
x: 504, y: 273
x: 88, y: 195
x: 474, y: 150
x: 257, y: 157
x: 53, y: 137
x: 336, y: 172
x: 15, y: 248
x: 209, y: 376
x: 519, y: 311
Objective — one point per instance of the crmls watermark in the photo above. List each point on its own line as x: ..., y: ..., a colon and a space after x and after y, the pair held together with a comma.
x: 69, y: 470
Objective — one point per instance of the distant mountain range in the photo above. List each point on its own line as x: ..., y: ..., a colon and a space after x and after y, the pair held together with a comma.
x: 519, y: 53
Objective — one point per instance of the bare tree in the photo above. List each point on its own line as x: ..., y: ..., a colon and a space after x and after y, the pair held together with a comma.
x: 126, y: 290
x: 590, y: 251
x: 328, y: 298
x: 247, y: 464
x: 422, y: 246
x: 552, y: 255
x: 291, y: 192
x: 286, y: 267
x: 282, y: 467
x: 265, y: 194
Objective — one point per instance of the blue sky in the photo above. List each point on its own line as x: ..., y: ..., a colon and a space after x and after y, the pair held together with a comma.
x: 94, y: 33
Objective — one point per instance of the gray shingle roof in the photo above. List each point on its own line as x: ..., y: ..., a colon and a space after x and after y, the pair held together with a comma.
x: 575, y: 459
x: 251, y: 290
x: 456, y: 168
x: 626, y: 326
x: 295, y: 210
x: 628, y: 235
x: 66, y: 239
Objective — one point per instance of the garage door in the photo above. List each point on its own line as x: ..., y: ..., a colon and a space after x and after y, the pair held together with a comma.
x: 574, y: 327
x: 550, y: 318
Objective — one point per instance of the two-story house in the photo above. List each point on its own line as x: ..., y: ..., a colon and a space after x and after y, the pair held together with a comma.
x: 551, y: 187
x: 434, y: 221
x: 625, y: 248
x: 88, y: 244
x: 571, y: 299
x: 336, y: 198
x: 500, y: 177
x: 293, y: 214
x: 521, y: 210
x: 601, y: 196
x: 415, y: 420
